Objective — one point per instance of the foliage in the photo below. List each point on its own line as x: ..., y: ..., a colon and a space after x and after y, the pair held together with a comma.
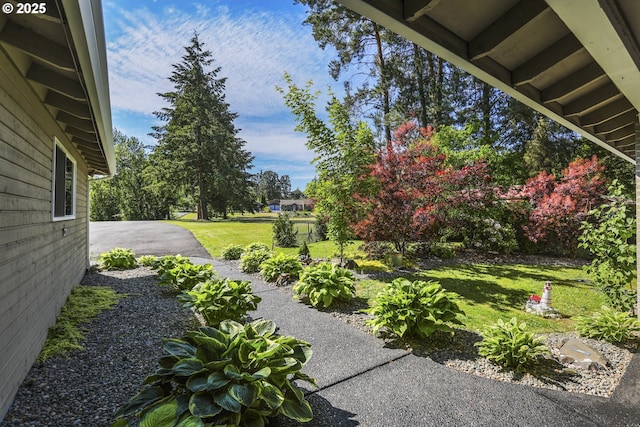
x: 232, y: 252
x: 610, y: 237
x: 168, y: 262
x: 281, y: 264
x: 284, y: 232
x: 322, y: 227
x: 325, y: 282
x: 412, y: 186
x: 443, y: 250
x: 559, y: 208
x: 83, y: 304
x: 256, y: 246
x: 304, y: 250
x: 414, y: 309
x: 118, y: 259
x: 184, y: 276
x: 250, y: 261
x: 197, y: 142
x: 490, y: 235
x: 234, y: 375
x: 609, y: 325
x: 148, y: 260
x: 220, y: 299
x: 508, y: 344
x: 270, y: 186
x: 343, y: 151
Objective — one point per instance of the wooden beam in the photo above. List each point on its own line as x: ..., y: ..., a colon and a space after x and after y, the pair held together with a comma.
x: 616, y: 123
x: 546, y: 59
x: 57, y: 82
x: 414, y: 9
x: 505, y: 26
x: 88, y: 148
x: 52, y: 14
x: 78, y: 123
x: 573, y: 82
x: 68, y: 105
x: 86, y: 136
x: 607, y: 112
x: 593, y: 99
x: 620, y: 134
x: 37, y: 46
x: 626, y: 143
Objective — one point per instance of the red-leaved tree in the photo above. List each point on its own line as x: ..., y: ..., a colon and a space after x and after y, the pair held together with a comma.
x: 413, y: 189
x: 559, y: 207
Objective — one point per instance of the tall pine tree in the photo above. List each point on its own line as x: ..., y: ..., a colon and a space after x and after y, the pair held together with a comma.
x: 199, y: 138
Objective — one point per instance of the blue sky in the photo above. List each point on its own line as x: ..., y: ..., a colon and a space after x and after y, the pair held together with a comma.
x: 254, y: 41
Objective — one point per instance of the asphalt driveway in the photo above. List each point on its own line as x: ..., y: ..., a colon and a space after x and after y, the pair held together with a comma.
x: 144, y: 238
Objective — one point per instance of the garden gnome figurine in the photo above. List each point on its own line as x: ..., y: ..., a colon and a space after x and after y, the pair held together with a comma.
x: 545, y: 301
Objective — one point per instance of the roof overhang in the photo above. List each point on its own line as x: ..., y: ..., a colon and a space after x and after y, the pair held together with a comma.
x: 576, y: 61
x: 62, y: 54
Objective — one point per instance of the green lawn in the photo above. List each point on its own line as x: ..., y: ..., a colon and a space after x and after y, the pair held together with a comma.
x: 248, y: 228
x: 489, y: 292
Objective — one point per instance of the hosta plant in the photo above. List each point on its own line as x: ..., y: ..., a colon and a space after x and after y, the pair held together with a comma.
x: 168, y: 262
x: 272, y: 268
x: 118, y: 259
x: 608, y: 325
x: 234, y: 375
x: 508, y: 344
x: 148, y: 260
x: 185, y: 276
x: 256, y: 246
x: 250, y: 261
x: 324, y: 283
x: 220, y: 299
x: 415, y: 309
x: 232, y: 252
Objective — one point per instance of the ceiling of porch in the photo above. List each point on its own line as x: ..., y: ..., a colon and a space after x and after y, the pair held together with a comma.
x: 576, y: 61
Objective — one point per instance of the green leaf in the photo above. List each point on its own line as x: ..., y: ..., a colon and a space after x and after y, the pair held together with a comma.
x: 217, y: 380
x: 202, y: 405
x: 264, y: 327
x: 178, y: 348
x: 271, y: 395
x: 243, y: 393
x: 227, y: 402
x: 161, y: 415
x: 299, y: 411
x: 190, y: 421
x: 145, y: 398
x: 187, y: 367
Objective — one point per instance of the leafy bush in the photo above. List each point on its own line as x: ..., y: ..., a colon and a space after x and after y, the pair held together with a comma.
x: 234, y: 375
x: 325, y: 282
x: 118, y: 259
x: 168, y: 262
x: 232, y: 252
x: 148, y: 260
x: 221, y: 299
x: 256, y: 246
x: 611, y: 241
x: 414, y: 309
x: 250, y: 262
x: 185, y: 276
x: 322, y: 227
x: 509, y: 345
x: 443, y: 250
x: 304, y: 250
x: 281, y: 264
x: 284, y: 232
x: 490, y: 235
x: 378, y: 250
x: 609, y: 325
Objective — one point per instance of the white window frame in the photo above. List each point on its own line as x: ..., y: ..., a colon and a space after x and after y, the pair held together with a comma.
x: 55, y: 175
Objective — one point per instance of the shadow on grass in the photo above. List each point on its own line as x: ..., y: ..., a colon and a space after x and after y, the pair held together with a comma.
x: 518, y: 272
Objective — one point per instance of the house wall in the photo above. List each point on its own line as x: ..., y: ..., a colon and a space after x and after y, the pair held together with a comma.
x: 38, y: 264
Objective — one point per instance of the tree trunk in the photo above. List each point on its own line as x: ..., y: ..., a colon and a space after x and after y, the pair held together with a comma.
x: 384, y: 84
x: 422, y: 91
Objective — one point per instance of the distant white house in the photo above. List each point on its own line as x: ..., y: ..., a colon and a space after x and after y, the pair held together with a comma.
x: 55, y: 132
x: 291, y: 205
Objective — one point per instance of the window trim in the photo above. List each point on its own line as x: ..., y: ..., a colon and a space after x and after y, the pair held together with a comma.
x: 58, y: 145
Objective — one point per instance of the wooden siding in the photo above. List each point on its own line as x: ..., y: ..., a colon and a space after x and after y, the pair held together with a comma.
x: 38, y: 264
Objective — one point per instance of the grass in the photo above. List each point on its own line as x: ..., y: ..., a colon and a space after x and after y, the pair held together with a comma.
x: 488, y: 292
x: 492, y: 292
x: 84, y: 303
x: 216, y: 234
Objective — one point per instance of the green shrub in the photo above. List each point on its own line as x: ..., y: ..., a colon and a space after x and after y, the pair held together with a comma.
x: 609, y: 325
x: 256, y: 246
x: 508, y: 344
x: 235, y: 376
x: 325, y: 282
x: 169, y: 262
x: 221, y: 299
x: 250, y: 261
x: 232, y: 252
x: 304, y: 250
x: 281, y: 264
x: 490, y: 235
x: 444, y: 250
x: 414, y: 309
x: 148, y: 260
x: 185, y: 276
x: 118, y: 259
x: 284, y: 231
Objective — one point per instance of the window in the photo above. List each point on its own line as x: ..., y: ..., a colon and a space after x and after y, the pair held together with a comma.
x: 64, y: 183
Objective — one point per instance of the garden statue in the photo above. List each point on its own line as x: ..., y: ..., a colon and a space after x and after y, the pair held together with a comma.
x: 545, y: 301
x: 542, y: 305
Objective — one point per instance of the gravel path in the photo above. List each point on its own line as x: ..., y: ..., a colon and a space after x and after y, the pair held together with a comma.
x: 121, y: 348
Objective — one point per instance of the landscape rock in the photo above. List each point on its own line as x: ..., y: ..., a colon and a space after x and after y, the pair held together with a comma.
x: 579, y: 354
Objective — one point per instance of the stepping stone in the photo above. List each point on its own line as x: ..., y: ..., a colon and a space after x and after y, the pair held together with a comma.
x: 578, y: 353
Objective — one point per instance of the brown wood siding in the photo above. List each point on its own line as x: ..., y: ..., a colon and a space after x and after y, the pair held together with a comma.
x: 38, y: 265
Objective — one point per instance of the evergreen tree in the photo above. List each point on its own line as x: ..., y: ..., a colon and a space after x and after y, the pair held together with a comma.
x: 198, y: 140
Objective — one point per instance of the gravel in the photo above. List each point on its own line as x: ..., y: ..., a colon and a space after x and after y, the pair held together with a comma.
x: 123, y: 345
